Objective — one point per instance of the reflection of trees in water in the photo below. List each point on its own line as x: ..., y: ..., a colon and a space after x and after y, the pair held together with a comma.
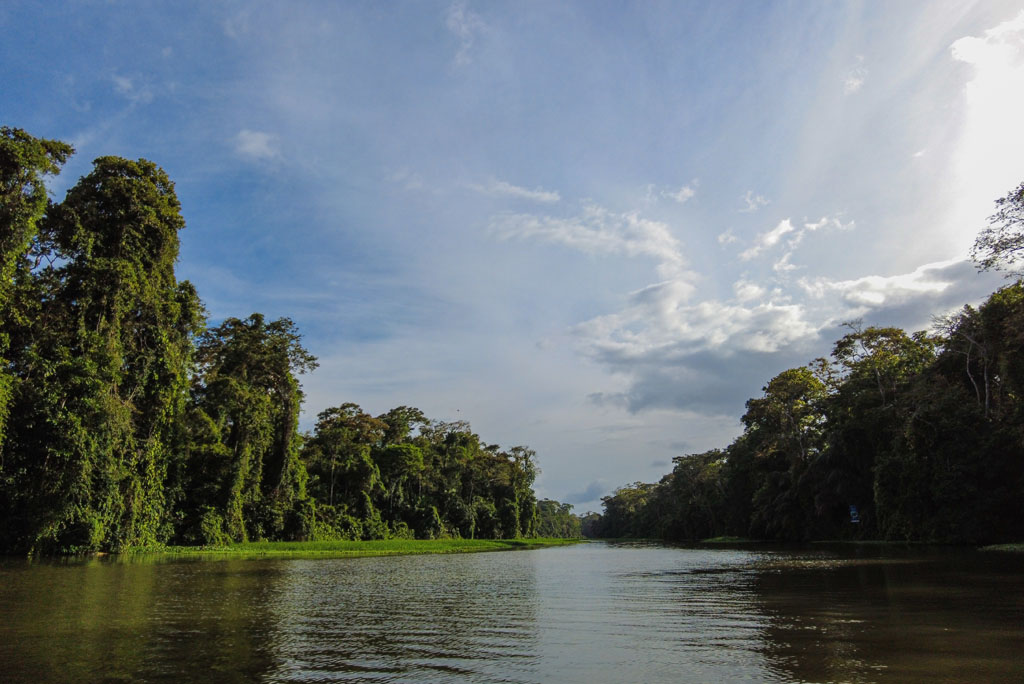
x: 114, y: 621
x: 915, y: 618
x: 426, y: 618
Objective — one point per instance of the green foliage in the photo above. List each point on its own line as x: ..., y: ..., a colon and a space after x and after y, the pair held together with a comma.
x: 243, y: 451
x: 921, y: 434
x: 24, y: 162
x: 104, y: 350
x: 126, y: 423
x: 557, y: 520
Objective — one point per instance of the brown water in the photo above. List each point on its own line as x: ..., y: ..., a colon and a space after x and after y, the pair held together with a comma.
x: 590, y: 613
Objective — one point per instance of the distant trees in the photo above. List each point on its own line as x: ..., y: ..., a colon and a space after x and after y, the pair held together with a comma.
x: 896, y: 436
x: 557, y: 520
x: 127, y: 422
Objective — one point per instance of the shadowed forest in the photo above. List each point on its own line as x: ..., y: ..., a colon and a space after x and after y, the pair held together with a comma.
x: 896, y: 436
x: 128, y: 421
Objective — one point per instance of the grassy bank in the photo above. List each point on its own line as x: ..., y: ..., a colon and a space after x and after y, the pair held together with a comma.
x: 1016, y: 548
x: 357, y: 549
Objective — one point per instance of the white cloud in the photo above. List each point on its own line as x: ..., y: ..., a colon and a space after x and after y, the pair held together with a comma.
x: 783, y: 265
x: 990, y: 150
x: 768, y: 239
x: 727, y: 238
x: 465, y: 25
x: 855, y: 77
x: 875, y: 291
x: 682, y: 195
x: 500, y: 188
x: 785, y: 227
x: 708, y: 355
x: 753, y: 202
x: 746, y: 290
x: 256, y: 144
x: 598, y: 230
x: 660, y: 325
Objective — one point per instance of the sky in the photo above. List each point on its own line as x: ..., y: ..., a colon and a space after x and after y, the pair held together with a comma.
x: 592, y: 228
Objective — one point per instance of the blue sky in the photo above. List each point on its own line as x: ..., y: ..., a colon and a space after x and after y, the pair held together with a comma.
x: 594, y: 228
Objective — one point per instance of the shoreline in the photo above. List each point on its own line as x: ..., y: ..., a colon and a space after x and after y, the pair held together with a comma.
x: 347, y: 549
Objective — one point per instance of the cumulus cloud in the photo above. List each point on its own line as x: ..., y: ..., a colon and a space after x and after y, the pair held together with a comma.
x: 659, y: 324
x: 753, y: 202
x: 599, y: 231
x: 909, y: 299
x: 746, y: 290
x: 987, y: 160
x: 256, y: 144
x: 500, y: 188
x: 710, y: 356
x: 683, y: 194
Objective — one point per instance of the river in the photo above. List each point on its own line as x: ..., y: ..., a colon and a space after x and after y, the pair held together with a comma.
x: 590, y: 613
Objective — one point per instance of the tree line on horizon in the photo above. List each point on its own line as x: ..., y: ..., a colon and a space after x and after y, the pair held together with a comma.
x: 895, y: 436
x: 128, y: 421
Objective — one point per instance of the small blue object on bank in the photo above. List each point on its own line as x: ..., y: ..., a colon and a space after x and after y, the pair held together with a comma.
x: 854, y: 514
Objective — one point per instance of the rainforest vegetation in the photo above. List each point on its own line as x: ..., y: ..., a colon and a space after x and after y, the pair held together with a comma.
x: 896, y: 436
x: 128, y: 421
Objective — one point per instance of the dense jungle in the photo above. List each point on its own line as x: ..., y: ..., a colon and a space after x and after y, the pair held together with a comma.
x: 129, y: 421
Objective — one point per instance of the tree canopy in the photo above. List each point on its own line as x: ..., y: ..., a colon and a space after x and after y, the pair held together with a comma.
x: 127, y: 420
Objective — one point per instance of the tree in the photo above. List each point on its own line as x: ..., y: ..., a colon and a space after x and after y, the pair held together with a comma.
x: 557, y: 520
x: 1000, y: 246
x: 244, y: 475
x: 24, y: 162
x: 784, y: 429
x: 345, y: 478
x: 104, y: 351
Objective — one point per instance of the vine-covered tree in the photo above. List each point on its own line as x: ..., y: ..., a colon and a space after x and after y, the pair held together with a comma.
x: 25, y: 161
x: 103, y: 338
x: 244, y: 478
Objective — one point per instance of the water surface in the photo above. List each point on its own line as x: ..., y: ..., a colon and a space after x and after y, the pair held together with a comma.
x: 590, y: 613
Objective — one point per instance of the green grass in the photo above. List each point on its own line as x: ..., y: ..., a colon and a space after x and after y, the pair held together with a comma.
x: 357, y: 549
x: 1016, y: 548
x: 728, y: 540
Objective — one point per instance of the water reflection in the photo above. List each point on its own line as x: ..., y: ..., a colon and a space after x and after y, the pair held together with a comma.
x: 592, y: 613
x: 420, y: 618
x: 891, y: 615
x: 96, y: 621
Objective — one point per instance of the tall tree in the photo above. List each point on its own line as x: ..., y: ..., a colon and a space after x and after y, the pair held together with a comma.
x: 784, y: 428
x: 103, y: 365
x: 24, y: 163
x: 244, y: 431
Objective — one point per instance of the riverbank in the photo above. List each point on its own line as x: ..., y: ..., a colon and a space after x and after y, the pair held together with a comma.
x: 1015, y: 548
x: 358, y: 549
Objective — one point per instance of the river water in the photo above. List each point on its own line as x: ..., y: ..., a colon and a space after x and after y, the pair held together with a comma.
x: 590, y: 613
